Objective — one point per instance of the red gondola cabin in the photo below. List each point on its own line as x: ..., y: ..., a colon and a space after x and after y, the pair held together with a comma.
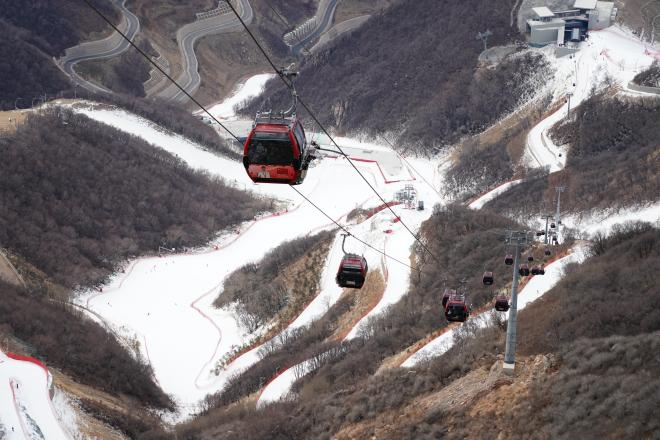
x: 352, y: 271
x: 487, y: 278
x: 523, y: 270
x: 276, y: 150
x: 508, y: 260
x: 501, y: 303
x: 456, y: 309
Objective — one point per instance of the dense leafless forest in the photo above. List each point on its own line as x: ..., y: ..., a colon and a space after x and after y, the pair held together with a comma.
x: 33, y: 32
x: 78, y: 197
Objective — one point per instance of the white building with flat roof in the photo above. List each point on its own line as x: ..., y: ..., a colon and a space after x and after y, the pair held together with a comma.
x: 548, y: 27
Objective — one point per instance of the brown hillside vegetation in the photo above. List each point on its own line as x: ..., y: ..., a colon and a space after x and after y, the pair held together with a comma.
x: 281, y: 284
x: 411, y: 70
x: 649, y: 77
x: 77, y: 197
x: 490, y: 158
x: 613, y: 160
x: 616, y: 293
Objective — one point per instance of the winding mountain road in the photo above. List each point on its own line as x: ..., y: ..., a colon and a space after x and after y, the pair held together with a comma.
x: 322, y: 21
x: 188, y: 35
x: 108, y: 47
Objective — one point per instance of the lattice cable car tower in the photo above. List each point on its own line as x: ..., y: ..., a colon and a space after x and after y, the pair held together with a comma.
x: 518, y: 239
x: 483, y: 36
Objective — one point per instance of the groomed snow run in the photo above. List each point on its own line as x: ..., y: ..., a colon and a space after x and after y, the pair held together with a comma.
x: 26, y: 411
x: 166, y: 303
x: 612, y: 53
x: 492, y: 194
x: 603, y: 222
x: 534, y: 289
x: 252, y: 87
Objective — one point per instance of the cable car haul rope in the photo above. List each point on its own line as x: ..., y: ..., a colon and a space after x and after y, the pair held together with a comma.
x: 276, y: 151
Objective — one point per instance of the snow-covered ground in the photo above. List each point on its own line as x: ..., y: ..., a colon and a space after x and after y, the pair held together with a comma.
x: 155, y: 293
x: 492, y: 194
x: 252, y: 87
x: 613, y: 53
x: 604, y: 221
x: 26, y: 411
x: 534, y: 289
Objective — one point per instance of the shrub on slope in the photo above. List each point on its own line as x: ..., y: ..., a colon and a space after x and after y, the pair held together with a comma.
x: 76, y: 197
x: 28, y: 71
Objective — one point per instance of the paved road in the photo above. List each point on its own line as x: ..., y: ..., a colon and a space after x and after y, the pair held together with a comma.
x: 107, y: 47
x: 188, y: 35
x: 324, y: 16
x: 339, y: 29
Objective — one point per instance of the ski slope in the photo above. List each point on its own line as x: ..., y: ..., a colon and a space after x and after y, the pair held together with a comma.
x: 603, y: 222
x: 610, y: 54
x: 252, y: 87
x: 26, y: 411
x: 154, y: 293
x: 492, y: 194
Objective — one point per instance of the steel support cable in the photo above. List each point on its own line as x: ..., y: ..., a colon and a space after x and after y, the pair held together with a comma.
x: 161, y: 70
x: 351, y: 235
x: 313, y: 116
x: 235, y: 137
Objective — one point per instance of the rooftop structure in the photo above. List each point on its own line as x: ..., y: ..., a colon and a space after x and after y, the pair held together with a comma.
x: 543, y: 12
x: 585, y: 4
x: 548, y: 27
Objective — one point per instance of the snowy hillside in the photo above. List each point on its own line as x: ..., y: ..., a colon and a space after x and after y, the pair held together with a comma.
x: 156, y: 292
